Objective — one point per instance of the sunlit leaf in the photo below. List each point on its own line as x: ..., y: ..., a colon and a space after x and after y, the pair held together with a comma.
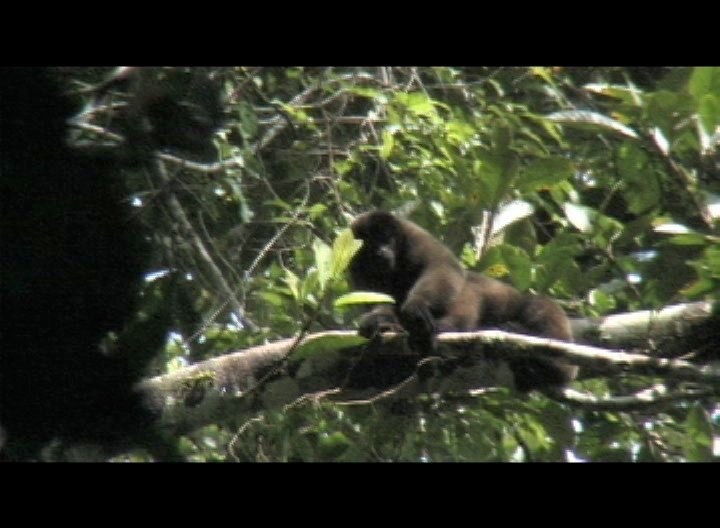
x: 544, y: 173
x: 332, y: 446
x: 699, y: 438
x: 511, y: 213
x: 627, y: 94
x: 293, y: 283
x: 689, y: 239
x: 388, y: 141
x: 344, y: 248
x: 591, y: 120
x: 705, y: 80
x: 317, y: 210
x: 362, y: 297
x: 323, y: 261
x: 673, y: 229
x: 579, y: 216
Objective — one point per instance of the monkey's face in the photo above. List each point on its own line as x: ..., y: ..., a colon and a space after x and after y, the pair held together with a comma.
x: 379, y: 233
x: 376, y: 263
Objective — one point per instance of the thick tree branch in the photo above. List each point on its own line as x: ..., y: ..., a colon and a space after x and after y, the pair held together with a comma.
x: 332, y: 363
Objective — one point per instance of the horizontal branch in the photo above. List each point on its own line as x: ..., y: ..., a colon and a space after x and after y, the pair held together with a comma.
x: 336, y: 365
x: 646, y: 329
x: 654, y: 398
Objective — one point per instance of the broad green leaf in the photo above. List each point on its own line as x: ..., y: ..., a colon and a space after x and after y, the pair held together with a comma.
x: 700, y: 287
x: 602, y: 302
x: 544, y: 173
x: 626, y: 94
x: 503, y: 260
x: 297, y: 113
x: 331, y: 446
x: 344, y: 248
x: 641, y: 187
x: 248, y: 119
x: 698, y: 438
x: 388, y: 141
x: 323, y: 262
x: 362, y: 297
x: 592, y: 121
x: 317, y: 211
x: 272, y: 298
x: 544, y: 73
x: 705, y: 80
x: 689, y: 239
x: 712, y: 258
x: 363, y: 91
x: 673, y: 229
x: 511, y: 213
x: 580, y: 216
x: 457, y: 132
x: 709, y: 112
x: 417, y: 103
x: 668, y: 110
x: 293, y: 283
x: 556, y: 420
x: 495, y: 174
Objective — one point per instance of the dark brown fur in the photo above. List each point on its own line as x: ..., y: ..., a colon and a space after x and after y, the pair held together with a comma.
x: 434, y: 294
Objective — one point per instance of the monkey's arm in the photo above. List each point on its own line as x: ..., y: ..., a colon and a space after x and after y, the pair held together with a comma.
x: 429, y: 299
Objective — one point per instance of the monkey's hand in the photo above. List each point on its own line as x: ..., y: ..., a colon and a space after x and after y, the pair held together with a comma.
x: 378, y: 321
x: 417, y: 319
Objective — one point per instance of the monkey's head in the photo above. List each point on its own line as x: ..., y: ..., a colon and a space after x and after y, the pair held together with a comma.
x: 375, y: 264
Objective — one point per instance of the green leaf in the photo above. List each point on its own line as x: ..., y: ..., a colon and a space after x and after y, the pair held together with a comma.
x: 363, y: 91
x: 712, y: 258
x: 344, y: 248
x: 363, y: 297
x: 331, y: 446
x: 317, y: 210
x: 580, y: 216
x: 493, y: 174
x: 641, y: 190
x: 248, y: 119
x: 627, y: 94
x: 458, y: 132
x: 673, y: 229
x: 323, y: 262
x: 420, y: 104
x: 503, y: 260
x: 709, y: 112
x: 293, y: 283
x: 591, y: 121
x: 388, y: 141
x: 668, y: 110
x: 690, y: 239
x: 557, y: 422
x: 705, y: 80
x: 602, y: 302
x: 699, y: 438
x: 544, y: 173
x: 510, y: 213
x: 700, y: 287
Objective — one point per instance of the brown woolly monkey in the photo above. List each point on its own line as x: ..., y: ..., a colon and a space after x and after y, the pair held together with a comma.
x: 433, y: 293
